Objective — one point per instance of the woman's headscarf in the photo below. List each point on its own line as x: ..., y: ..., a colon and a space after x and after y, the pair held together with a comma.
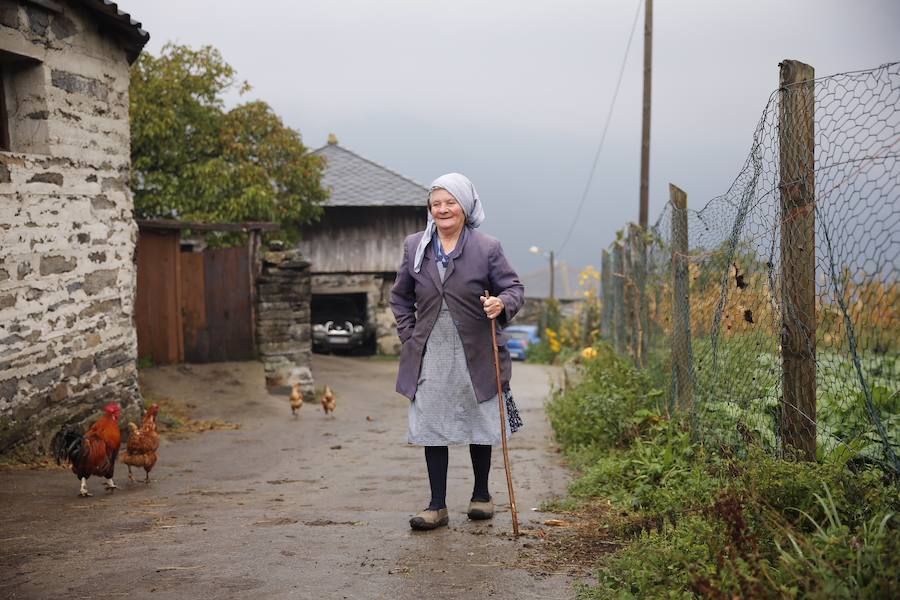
x: 464, y: 192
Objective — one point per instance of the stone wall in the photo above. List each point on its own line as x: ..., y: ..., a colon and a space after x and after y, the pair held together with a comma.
x: 67, y: 234
x: 283, y: 322
x: 377, y: 288
x: 387, y: 341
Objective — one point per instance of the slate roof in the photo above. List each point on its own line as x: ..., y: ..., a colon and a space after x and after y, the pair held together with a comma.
x: 357, y: 181
x: 128, y: 30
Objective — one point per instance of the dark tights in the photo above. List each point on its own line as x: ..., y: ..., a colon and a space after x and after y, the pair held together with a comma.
x: 481, y: 466
x: 437, y: 459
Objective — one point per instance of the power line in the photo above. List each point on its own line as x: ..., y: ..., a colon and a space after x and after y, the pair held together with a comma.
x: 612, y: 105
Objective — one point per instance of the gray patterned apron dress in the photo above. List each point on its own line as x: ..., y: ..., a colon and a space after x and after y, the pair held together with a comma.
x: 445, y: 411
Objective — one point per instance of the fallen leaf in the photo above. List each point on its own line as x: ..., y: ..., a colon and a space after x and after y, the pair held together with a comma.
x: 555, y: 522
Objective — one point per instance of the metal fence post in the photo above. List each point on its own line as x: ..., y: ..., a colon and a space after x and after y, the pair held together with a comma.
x: 682, y: 367
x: 796, y: 143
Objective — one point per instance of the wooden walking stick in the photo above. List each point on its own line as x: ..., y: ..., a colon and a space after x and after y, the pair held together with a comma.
x: 502, y: 402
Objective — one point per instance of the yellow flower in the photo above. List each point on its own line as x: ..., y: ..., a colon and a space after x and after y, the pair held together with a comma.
x: 588, y: 353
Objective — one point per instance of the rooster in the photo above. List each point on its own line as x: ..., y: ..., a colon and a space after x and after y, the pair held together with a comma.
x: 140, y: 450
x: 296, y: 398
x: 328, y: 401
x: 91, y: 453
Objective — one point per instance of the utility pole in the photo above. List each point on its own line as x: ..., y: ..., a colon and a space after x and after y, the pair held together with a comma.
x: 645, y: 131
x: 552, y: 271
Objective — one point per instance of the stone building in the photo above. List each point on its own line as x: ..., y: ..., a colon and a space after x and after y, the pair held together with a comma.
x: 67, y: 232
x: 356, y: 247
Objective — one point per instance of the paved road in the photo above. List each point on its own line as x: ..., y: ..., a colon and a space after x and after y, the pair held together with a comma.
x: 307, y: 507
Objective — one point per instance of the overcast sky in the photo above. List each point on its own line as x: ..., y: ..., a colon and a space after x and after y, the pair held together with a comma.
x: 514, y: 93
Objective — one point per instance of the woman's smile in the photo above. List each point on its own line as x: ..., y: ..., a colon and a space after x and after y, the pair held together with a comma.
x: 448, y: 215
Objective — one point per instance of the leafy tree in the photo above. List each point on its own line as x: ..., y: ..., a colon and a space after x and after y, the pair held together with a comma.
x: 194, y: 160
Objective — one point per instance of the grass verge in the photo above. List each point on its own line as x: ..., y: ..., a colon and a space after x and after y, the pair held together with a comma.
x: 690, y: 521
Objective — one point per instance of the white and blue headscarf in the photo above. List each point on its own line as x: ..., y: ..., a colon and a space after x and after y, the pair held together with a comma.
x: 462, y: 189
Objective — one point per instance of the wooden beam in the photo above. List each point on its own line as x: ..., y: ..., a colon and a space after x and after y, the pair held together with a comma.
x: 50, y: 5
x: 4, y: 115
x: 243, y: 227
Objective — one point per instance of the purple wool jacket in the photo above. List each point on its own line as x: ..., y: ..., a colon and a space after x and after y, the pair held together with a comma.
x: 416, y: 301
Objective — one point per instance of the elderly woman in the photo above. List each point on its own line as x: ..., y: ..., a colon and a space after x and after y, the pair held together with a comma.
x: 443, y: 320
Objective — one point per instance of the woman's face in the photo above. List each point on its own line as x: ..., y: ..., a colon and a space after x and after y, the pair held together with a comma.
x: 448, y: 215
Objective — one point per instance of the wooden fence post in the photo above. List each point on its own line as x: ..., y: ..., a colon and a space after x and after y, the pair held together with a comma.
x: 618, y: 277
x: 606, y: 295
x: 796, y: 144
x: 643, y: 296
x: 641, y: 306
x: 682, y: 367
x: 255, y: 263
x: 631, y: 298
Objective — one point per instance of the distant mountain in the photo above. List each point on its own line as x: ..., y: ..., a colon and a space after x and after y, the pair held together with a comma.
x: 537, y: 283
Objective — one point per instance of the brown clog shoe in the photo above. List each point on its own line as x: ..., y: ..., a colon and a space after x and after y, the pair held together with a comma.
x: 479, y: 510
x: 430, y: 519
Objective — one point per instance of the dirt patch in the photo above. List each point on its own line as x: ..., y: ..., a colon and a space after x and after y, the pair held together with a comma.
x: 570, y: 545
x: 176, y: 416
x: 329, y: 522
x: 275, y: 522
x: 15, y: 462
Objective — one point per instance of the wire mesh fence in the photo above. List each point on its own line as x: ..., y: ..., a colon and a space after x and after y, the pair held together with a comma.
x: 775, y: 309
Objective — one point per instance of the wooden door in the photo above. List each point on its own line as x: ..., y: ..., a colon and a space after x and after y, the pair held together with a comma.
x: 229, y: 330
x: 193, y: 307
x: 158, y: 302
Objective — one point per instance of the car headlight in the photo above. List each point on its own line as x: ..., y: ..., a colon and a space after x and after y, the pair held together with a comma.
x: 358, y: 329
x: 318, y: 327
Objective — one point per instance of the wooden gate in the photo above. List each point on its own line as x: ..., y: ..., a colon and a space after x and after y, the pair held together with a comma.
x: 158, y: 302
x: 217, y: 305
x: 195, y: 306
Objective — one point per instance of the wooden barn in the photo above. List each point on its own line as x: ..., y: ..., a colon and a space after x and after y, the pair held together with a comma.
x: 356, y: 247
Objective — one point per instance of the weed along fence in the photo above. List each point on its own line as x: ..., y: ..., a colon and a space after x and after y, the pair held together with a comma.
x: 774, y: 310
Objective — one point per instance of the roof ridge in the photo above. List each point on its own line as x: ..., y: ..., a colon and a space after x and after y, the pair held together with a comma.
x: 371, y: 162
x: 123, y: 23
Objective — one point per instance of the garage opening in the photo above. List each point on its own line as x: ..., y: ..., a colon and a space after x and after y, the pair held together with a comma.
x: 340, y: 324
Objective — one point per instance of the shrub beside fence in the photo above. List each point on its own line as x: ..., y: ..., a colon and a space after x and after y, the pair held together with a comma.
x: 776, y: 307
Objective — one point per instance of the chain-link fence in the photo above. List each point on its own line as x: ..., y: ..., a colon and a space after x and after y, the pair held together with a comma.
x: 775, y: 309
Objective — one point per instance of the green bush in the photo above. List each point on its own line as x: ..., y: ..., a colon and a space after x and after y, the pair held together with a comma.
x: 611, y: 404
x: 719, y: 521
x: 541, y: 353
x: 653, y: 565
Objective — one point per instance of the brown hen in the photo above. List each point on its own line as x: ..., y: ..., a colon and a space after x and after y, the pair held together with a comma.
x: 328, y: 400
x: 296, y: 398
x: 140, y: 451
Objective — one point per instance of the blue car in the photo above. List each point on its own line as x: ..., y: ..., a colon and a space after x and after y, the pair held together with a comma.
x: 520, y: 337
